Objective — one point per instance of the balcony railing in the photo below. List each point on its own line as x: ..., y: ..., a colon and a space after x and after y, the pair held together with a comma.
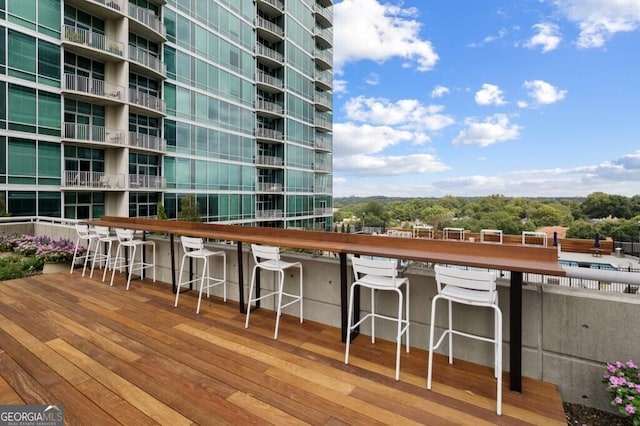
x: 323, y: 166
x: 92, y: 86
x: 263, y: 77
x: 269, y: 26
x: 325, y: 33
x: 93, y: 40
x: 269, y: 214
x: 269, y: 106
x: 147, y: 101
x: 146, y: 17
x: 148, y: 60
x: 113, y: 4
x: 269, y: 160
x: 324, y: 77
x: 325, y: 12
x: 322, y: 189
x: 324, y: 99
x: 321, y: 211
x: 269, y: 187
x: 325, y: 56
x: 143, y: 141
x: 88, y: 132
x: 147, y: 182
x: 277, y: 4
x: 269, y: 134
x: 263, y: 50
x: 92, y: 180
x: 322, y: 143
x: 323, y: 122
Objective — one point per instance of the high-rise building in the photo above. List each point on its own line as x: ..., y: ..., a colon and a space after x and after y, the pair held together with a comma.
x: 118, y: 107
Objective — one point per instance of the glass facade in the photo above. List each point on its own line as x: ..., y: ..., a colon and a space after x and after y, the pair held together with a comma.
x: 117, y: 107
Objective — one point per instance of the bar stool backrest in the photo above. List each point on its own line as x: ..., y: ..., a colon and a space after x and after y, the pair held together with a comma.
x: 102, y: 231
x: 124, y: 234
x: 379, y: 268
x: 82, y: 230
x: 264, y: 253
x: 191, y: 243
x: 469, y: 279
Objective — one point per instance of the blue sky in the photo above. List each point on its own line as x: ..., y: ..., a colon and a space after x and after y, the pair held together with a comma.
x: 532, y: 98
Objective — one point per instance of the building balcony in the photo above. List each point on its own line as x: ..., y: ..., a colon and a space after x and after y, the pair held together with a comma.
x: 323, y: 101
x: 323, y: 211
x: 143, y: 141
x: 270, y: 187
x: 269, y: 83
x: 324, y: 80
x: 271, y: 8
x: 268, y: 30
x: 146, y: 103
x: 146, y: 182
x: 269, y: 161
x: 269, y: 214
x: 91, y: 135
x: 145, y: 63
x: 103, y: 9
x: 91, y: 44
x: 323, y: 124
x: 322, y: 189
x: 272, y: 58
x: 322, y: 142
x: 323, y: 58
x: 325, y: 3
x: 269, y: 109
x: 77, y: 180
x: 92, y: 90
x: 322, y: 167
x: 146, y: 24
x: 323, y: 15
x: 269, y: 135
x: 324, y: 37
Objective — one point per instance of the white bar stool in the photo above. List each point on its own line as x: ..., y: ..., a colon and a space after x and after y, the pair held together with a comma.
x: 380, y: 275
x: 468, y: 287
x: 84, y: 234
x: 268, y: 258
x: 120, y: 261
x: 104, y: 239
x: 194, y: 249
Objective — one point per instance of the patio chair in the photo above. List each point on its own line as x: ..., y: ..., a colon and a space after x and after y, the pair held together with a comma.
x: 120, y: 260
x: 468, y: 287
x: 268, y: 258
x: 379, y: 275
x: 194, y: 249
x: 103, y: 249
x: 84, y: 234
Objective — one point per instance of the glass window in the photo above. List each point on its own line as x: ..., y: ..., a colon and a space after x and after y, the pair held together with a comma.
x: 49, y: 63
x: 23, y: 158
x: 49, y: 204
x: 22, y: 203
x: 22, y: 55
x: 22, y: 12
x: 49, y: 160
x: 49, y: 17
x: 49, y: 110
x: 23, y: 106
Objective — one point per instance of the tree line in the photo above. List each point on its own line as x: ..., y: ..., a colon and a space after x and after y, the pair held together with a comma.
x: 614, y: 216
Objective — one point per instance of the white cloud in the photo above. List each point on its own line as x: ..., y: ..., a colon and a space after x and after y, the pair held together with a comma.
x: 350, y: 139
x: 339, y: 86
x: 439, y: 91
x: 372, y: 79
x: 598, y: 20
x: 369, y: 30
x: 547, y: 37
x: 544, y: 93
x: 493, y: 129
x: 393, y: 165
x: 490, y: 94
x: 408, y: 114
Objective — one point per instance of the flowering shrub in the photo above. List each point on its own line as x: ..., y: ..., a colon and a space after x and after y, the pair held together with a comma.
x: 41, y: 247
x: 623, y: 380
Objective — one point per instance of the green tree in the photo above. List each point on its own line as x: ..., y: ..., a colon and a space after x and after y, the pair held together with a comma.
x: 189, y: 209
x: 162, y: 213
x: 580, y: 229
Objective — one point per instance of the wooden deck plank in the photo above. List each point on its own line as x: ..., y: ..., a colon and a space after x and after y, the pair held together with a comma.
x: 130, y: 357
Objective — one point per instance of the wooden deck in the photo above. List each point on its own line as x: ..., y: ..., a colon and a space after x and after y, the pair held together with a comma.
x: 112, y: 356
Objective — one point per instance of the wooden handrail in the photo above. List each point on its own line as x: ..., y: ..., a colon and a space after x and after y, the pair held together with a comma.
x: 510, y: 257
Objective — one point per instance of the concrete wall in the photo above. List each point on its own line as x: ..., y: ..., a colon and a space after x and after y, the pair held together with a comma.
x: 568, y: 333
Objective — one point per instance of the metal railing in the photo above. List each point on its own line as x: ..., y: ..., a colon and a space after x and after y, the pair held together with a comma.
x: 263, y: 50
x: 263, y: 77
x: 269, y: 26
x: 143, y: 141
x: 146, y: 59
x: 269, y: 214
x: 146, y: 100
x: 269, y: 187
x: 269, y: 106
x: 268, y: 133
x: 93, y: 40
x: 80, y: 179
x: 275, y: 3
x: 147, y: 182
x: 92, y: 86
x: 269, y: 160
x: 146, y: 17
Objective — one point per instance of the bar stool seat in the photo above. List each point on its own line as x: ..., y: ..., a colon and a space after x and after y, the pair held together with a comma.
x: 380, y: 275
x: 194, y: 249
x: 101, y: 253
x: 120, y: 260
x: 84, y: 234
x: 268, y: 258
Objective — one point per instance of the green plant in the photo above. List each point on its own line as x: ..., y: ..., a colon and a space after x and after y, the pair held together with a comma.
x: 623, y: 382
x: 189, y: 209
x: 162, y: 213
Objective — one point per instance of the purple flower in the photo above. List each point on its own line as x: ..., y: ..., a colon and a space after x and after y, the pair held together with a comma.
x: 611, y: 368
x: 629, y: 409
x: 618, y: 400
x: 630, y: 364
